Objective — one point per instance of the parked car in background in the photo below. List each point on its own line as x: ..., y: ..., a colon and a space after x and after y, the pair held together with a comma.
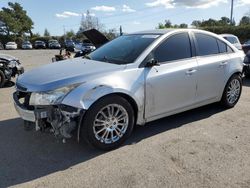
x: 39, y: 45
x: 26, y: 45
x: 70, y: 45
x: 133, y: 79
x: 246, y: 46
x: 85, y: 49
x: 54, y: 44
x: 246, y: 69
x: 1, y: 46
x: 9, y: 67
x: 233, y: 40
x: 78, y: 46
x: 88, y: 47
x: 11, y: 46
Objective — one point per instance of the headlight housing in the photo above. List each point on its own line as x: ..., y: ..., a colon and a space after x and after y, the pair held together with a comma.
x: 51, y: 97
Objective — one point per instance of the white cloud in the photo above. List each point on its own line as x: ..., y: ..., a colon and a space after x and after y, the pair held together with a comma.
x: 126, y: 8
x: 91, y: 14
x: 104, y: 8
x: 67, y: 14
x: 136, y: 23
x: 165, y: 3
x: 243, y: 2
x: 186, y: 3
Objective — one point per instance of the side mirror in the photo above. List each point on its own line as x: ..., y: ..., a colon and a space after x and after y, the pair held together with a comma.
x: 152, y: 63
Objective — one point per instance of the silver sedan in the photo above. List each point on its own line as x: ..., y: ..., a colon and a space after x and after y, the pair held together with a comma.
x: 134, y: 79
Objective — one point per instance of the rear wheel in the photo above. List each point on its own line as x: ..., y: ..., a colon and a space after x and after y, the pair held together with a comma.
x: 232, y: 91
x: 108, y: 123
x: 2, y: 79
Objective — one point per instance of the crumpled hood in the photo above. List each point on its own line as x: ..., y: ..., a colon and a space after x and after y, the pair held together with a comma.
x: 7, y: 57
x: 64, y: 73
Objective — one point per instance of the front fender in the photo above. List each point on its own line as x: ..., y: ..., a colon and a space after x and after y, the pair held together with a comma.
x: 129, y: 83
x: 84, y: 96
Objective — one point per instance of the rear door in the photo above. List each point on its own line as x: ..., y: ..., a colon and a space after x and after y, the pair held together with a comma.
x: 211, y: 67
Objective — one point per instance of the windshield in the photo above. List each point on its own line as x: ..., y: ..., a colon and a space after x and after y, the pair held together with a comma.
x: 124, y: 49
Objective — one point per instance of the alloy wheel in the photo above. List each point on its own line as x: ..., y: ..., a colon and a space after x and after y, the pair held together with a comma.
x: 233, y: 91
x: 110, y: 123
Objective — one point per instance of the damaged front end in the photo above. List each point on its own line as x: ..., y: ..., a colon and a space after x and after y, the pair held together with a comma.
x: 57, y: 118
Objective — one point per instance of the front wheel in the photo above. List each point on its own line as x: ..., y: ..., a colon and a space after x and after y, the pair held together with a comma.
x: 108, y: 123
x: 232, y: 91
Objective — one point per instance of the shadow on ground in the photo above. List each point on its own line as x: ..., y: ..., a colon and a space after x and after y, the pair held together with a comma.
x: 26, y: 156
x: 8, y: 84
x: 246, y: 82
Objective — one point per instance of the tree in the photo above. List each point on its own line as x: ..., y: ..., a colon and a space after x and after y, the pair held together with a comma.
x: 245, y: 20
x: 224, y: 21
x: 46, y: 33
x: 15, y: 20
x: 160, y: 26
x: 168, y: 24
x: 90, y: 22
x: 196, y: 23
x: 209, y: 23
x: 70, y: 34
x: 111, y: 34
x: 183, y: 25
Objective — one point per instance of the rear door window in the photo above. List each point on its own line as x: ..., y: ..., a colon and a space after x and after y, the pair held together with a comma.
x: 224, y: 48
x: 207, y: 45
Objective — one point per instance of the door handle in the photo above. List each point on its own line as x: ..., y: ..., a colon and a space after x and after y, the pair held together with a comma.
x: 190, y: 72
x: 223, y: 64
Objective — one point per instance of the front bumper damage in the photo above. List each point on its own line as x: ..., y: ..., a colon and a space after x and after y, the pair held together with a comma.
x: 59, y: 119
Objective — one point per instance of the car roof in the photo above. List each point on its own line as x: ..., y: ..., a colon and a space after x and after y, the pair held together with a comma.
x: 165, y: 31
x: 155, y: 31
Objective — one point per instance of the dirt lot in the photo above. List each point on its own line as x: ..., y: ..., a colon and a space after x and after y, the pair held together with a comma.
x: 206, y: 147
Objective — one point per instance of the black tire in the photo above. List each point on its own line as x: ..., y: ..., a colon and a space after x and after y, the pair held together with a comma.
x: 2, y: 79
x: 87, y: 128
x: 225, y: 100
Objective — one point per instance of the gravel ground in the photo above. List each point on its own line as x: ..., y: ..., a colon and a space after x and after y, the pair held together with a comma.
x: 205, y: 147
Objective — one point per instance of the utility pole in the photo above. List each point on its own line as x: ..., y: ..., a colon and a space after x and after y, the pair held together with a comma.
x: 232, y: 10
x: 64, y: 33
x: 121, y: 33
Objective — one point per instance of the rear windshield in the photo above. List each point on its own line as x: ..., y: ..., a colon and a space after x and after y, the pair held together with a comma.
x: 124, y: 49
x: 39, y: 42
x: 232, y: 40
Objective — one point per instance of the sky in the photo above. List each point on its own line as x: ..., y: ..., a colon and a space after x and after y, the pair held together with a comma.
x: 132, y: 15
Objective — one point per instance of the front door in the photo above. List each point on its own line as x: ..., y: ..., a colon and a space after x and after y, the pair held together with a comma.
x: 172, y: 85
